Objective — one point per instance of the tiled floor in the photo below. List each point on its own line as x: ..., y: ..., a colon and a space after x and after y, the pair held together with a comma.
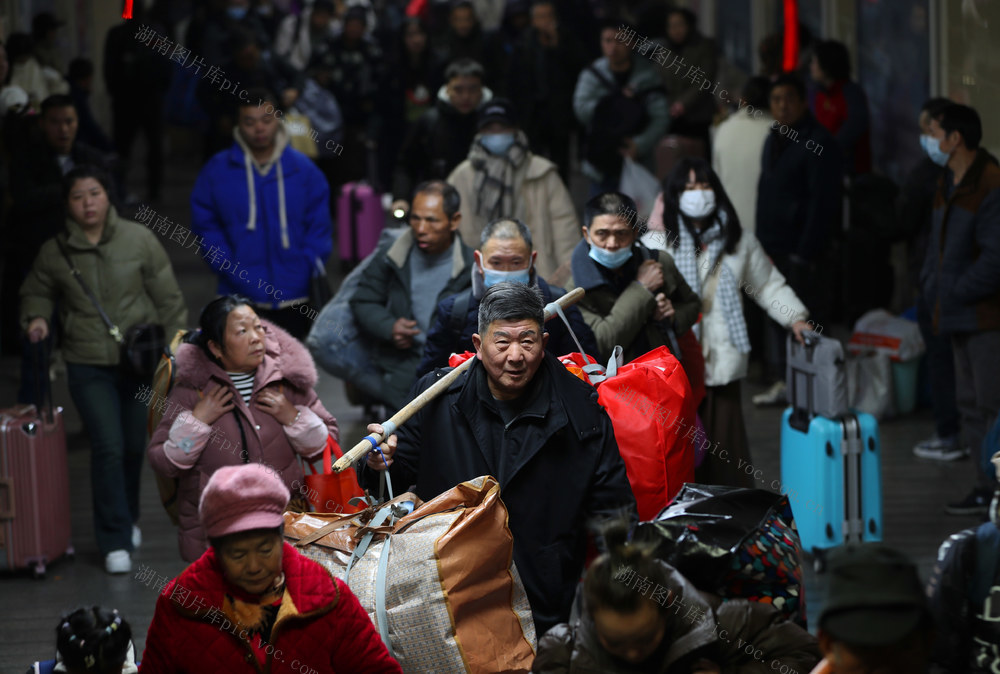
x: 913, y: 492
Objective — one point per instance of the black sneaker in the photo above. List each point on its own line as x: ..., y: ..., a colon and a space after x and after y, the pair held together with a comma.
x: 976, y: 502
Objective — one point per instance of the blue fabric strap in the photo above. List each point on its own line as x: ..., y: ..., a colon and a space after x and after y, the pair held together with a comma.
x: 362, y: 547
x: 381, y: 614
x: 375, y: 448
x: 387, y: 485
x: 386, y: 479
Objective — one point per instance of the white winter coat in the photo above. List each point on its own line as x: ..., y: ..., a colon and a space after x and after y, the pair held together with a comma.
x: 736, y: 154
x: 758, y: 279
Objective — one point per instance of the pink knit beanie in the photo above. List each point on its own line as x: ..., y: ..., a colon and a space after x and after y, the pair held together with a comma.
x: 241, y: 498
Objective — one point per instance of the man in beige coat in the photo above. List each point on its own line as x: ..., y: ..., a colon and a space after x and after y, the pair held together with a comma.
x: 502, y: 178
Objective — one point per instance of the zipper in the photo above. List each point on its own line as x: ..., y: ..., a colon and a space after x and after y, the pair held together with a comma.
x: 251, y: 657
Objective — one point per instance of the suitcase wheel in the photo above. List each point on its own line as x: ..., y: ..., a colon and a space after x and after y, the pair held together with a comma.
x: 38, y: 570
x: 819, y: 560
x: 70, y: 553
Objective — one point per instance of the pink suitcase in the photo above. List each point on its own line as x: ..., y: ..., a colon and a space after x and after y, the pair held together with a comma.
x: 34, y: 489
x: 360, y: 219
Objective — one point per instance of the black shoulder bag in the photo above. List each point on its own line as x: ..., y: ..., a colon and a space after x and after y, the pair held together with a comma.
x: 141, y: 346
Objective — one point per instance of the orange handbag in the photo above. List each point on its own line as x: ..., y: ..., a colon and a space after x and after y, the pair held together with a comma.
x: 330, y: 492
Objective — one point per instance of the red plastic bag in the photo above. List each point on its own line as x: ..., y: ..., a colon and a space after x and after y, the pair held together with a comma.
x: 332, y: 492
x: 456, y: 359
x: 583, y: 366
x: 653, y: 414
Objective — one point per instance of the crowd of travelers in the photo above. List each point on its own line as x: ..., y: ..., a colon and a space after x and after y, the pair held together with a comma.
x: 474, y: 120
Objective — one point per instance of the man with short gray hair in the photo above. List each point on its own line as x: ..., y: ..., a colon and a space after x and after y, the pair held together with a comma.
x: 519, y: 415
x: 505, y: 254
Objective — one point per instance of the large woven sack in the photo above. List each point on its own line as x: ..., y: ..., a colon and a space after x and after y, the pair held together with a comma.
x: 447, y: 598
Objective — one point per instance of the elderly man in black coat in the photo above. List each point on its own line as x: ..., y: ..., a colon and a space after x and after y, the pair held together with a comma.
x: 518, y: 415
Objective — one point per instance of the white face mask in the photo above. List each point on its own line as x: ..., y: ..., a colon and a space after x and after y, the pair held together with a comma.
x: 492, y: 276
x: 697, y: 203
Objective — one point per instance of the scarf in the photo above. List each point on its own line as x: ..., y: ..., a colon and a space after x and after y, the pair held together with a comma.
x: 496, y: 177
x: 727, y: 291
x: 257, y: 615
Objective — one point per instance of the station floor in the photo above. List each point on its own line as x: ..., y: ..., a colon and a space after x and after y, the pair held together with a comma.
x: 914, y: 490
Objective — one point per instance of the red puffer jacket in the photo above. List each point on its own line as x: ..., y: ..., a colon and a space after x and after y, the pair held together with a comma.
x: 320, y: 628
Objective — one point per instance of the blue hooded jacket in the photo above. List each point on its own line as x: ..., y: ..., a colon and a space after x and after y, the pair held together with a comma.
x: 266, y: 229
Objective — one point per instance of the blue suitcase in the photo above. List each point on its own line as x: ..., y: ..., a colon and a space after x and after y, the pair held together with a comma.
x: 832, y: 473
x: 831, y: 466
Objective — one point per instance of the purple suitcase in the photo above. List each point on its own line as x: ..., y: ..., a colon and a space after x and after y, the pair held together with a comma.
x: 34, y: 489
x: 360, y: 219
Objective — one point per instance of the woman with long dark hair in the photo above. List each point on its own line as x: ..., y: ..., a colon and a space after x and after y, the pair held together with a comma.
x: 721, y: 261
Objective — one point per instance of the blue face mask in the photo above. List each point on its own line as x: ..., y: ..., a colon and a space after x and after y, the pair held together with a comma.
x: 497, y: 143
x: 611, y: 260
x: 933, y: 150
x: 492, y: 276
x: 236, y: 12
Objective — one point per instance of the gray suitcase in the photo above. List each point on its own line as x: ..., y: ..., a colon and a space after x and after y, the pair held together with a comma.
x: 817, y: 376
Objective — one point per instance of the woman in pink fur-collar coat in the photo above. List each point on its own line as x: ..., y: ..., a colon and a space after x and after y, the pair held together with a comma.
x: 244, y: 393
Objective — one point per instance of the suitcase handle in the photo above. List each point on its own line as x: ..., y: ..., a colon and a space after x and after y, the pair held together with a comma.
x: 355, y: 209
x: 41, y: 377
x: 800, y: 418
x: 6, y: 499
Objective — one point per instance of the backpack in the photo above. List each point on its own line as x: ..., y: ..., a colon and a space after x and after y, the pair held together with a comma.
x: 163, y: 382
x: 616, y: 117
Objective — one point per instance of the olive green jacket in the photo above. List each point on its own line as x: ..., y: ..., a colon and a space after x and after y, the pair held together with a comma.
x: 625, y: 318
x: 127, y: 270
